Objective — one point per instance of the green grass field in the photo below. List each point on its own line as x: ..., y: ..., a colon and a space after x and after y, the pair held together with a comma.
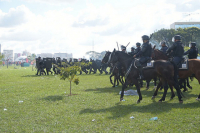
x: 46, y: 106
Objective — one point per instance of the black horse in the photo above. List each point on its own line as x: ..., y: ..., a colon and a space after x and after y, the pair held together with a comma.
x: 114, y: 71
x: 165, y: 70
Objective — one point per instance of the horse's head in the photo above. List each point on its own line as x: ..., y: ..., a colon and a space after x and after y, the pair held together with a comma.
x: 113, y: 58
x: 106, y: 57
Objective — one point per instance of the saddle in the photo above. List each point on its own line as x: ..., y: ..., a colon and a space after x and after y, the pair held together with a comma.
x: 147, y: 65
x: 184, y: 65
x: 136, y: 64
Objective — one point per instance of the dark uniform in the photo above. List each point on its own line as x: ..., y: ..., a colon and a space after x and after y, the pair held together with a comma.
x: 178, y: 50
x: 132, y: 51
x: 144, y: 54
x: 138, y: 49
x: 192, y: 52
x: 54, y: 67
x: 41, y: 66
x: 164, y: 47
x: 123, y: 48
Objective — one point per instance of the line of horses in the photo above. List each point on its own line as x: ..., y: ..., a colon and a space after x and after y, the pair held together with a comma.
x: 164, y: 69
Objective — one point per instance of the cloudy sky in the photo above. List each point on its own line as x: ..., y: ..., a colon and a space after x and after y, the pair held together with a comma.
x: 72, y: 26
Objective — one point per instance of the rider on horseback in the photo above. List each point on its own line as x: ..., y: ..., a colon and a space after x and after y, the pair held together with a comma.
x: 138, y: 49
x: 192, y: 52
x: 164, y: 47
x: 178, y: 50
x: 144, y: 54
x: 123, y: 48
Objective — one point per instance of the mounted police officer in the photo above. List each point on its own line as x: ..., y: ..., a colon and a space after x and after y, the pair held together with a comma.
x: 123, y: 48
x: 192, y: 52
x: 164, y: 47
x: 132, y: 51
x: 138, y: 49
x: 144, y: 54
x: 178, y: 50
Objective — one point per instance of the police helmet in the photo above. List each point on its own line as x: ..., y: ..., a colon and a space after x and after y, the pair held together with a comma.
x: 138, y: 44
x: 176, y: 37
x: 163, y: 42
x: 123, y: 47
x: 39, y: 57
x: 193, y: 44
x: 145, y: 37
x: 132, y: 48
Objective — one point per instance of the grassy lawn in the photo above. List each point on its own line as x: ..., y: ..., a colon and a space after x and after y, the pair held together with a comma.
x: 46, y: 106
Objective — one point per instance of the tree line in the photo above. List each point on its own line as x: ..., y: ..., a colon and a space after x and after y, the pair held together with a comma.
x: 190, y: 34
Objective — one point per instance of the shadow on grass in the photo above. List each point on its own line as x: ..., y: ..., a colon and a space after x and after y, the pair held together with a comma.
x: 106, y: 90
x: 36, y: 75
x: 53, y: 98
x: 153, y: 108
x: 30, y: 76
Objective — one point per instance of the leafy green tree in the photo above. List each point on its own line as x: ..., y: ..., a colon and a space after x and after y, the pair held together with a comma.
x: 69, y: 73
x: 190, y: 34
x: 96, y: 55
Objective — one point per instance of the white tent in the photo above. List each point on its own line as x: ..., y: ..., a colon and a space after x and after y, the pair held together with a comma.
x: 21, y: 58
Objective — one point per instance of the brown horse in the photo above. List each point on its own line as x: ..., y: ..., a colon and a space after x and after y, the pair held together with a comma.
x: 163, y: 69
x: 183, y: 74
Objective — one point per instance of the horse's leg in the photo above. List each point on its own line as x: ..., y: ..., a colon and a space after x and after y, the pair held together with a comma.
x: 155, y: 79
x: 120, y: 80
x: 180, y: 83
x: 176, y: 86
x: 122, y: 92
x: 138, y: 90
x: 156, y: 91
x: 198, y: 78
x: 172, y: 92
x: 90, y: 70
x: 188, y: 84
x: 165, y: 92
x: 117, y: 81
x: 141, y: 83
x: 147, y: 84
x: 114, y: 81
x: 184, y: 85
x: 111, y: 79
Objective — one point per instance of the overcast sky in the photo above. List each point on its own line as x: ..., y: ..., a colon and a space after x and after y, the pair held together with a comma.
x: 52, y: 26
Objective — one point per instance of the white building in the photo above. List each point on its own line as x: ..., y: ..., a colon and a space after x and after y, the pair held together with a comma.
x: 8, y: 55
x: 183, y: 25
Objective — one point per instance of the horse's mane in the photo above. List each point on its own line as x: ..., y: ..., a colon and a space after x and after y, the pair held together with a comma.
x: 160, y: 54
x: 124, y: 54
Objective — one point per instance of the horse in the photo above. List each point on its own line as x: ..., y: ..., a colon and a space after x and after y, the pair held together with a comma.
x: 115, y: 71
x: 164, y: 69
x: 183, y: 74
